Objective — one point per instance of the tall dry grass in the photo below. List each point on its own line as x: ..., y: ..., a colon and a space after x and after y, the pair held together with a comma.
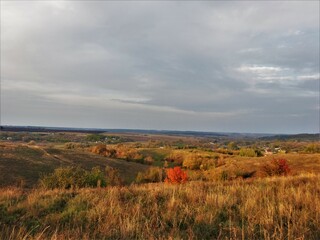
x: 271, y: 208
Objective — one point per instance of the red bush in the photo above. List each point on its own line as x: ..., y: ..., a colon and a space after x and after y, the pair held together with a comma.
x: 277, y: 167
x: 176, y: 175
x: 282, y: 166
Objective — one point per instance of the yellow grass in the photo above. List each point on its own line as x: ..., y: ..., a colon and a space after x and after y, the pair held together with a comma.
x: 269, y: 208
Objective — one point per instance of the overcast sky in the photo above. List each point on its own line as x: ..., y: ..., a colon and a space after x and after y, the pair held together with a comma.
x: 232, y: 66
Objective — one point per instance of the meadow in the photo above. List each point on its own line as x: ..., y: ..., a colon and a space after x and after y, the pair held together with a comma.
x: 231, y: 191
x: 273, y: 208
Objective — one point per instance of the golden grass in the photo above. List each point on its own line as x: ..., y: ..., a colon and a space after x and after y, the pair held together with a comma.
x: 270, y: 208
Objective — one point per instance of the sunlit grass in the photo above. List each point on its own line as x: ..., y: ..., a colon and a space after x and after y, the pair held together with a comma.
x: 269, y: 208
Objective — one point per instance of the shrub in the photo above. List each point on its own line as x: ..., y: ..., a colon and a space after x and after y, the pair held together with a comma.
x: 247, y: 152
x: 152, y: 175
x: 176, y: 175
x: 95, y: 178
x: 64, y: 178
x: 73, y: 177
x: 277, y: 167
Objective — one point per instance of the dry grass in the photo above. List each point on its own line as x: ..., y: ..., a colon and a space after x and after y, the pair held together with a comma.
x: 258, y: 208
x: 270, y: 208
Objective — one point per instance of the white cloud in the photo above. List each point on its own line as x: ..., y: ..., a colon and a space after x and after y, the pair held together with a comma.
x: 250, y: 50
x: 309, y: 77
x: 259, y: 69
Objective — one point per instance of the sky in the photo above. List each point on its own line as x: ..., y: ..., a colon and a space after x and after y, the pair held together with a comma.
x: 221, y: 66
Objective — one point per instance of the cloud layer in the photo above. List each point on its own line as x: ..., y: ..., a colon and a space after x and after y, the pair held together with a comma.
x: 214, y: 66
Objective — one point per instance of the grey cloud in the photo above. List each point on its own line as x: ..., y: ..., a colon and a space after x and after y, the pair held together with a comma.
x: 227, y: 66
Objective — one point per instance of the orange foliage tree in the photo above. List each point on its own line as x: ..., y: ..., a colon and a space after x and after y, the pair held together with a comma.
x: 176, y: 175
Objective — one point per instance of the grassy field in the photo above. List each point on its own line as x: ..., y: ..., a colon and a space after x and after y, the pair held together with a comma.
x: 271, y: 208
x: 227, y: 196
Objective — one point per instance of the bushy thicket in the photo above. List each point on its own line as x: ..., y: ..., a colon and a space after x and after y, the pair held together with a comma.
x: 247, y: 152
x: 119, y: 151
x: 250, y: 152
x: 76, y: 177
x: 197, y: 161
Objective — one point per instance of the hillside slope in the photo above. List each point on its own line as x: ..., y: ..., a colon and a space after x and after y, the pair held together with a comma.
x: 23, y: 164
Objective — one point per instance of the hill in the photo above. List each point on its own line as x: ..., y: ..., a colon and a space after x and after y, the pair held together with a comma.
x: 23, y: 164
x: 293, y: 137
x: 243, y: 189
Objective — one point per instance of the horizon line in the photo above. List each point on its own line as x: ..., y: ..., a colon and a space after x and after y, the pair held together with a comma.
x: 154, y: 130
